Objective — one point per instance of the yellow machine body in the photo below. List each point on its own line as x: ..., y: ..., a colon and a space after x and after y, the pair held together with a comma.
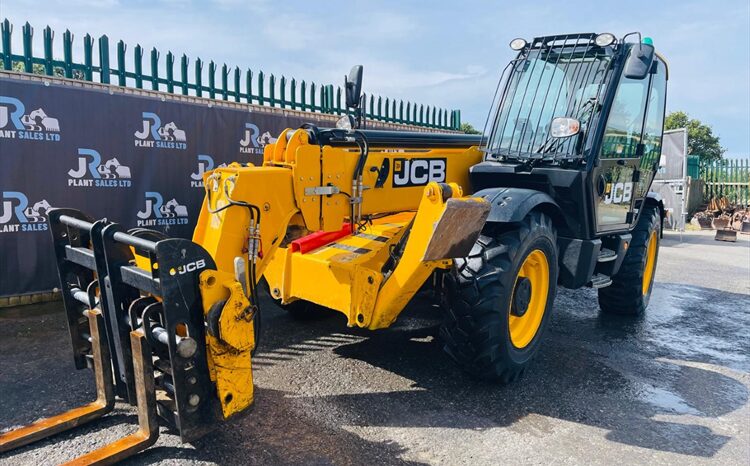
x: 344, y: 275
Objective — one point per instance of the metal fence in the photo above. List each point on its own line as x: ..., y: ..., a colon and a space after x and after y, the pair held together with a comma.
x: 728, y: 178
x: 233, y: 83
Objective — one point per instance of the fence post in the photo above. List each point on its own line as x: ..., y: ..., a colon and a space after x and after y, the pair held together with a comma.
x: 138, y: 65
x: 272, y: 90
x: 104, y: 59
x: 88, y: 57
x: 121, y: 76
x: 303, y: 94
x: 49, y: 35
x: 249, y: 85
x: 184, y: 74
x: 198, y: 77
x: 68, y: 53
x: 5, y: 30
x: 293, y: 93
x: 28, y: 53
x: 154, y: 69
x: 282, y: 91
x: 260, y: 88
x: 170, y: 72
x: 224, y: 81
x: 212, y: 79
x: 237, y: 80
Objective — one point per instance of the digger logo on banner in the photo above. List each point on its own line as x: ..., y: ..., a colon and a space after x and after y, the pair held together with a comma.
x: 16, y: 215
x: 154, y: 135
x: 34, y: 126
x: 91, y: 172
x: 205, y: 163
x: 160, y: 213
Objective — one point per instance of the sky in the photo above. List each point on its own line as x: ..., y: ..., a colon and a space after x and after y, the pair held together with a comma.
x: 442, y: 53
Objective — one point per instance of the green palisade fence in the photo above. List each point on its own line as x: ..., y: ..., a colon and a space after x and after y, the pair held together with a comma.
x: 166, y: 75
x: 728, y: 178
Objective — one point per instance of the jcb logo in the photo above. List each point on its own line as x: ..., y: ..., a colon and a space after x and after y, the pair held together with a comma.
x: 417, y: 172
x: 191, y: 267
x: 618, y: 193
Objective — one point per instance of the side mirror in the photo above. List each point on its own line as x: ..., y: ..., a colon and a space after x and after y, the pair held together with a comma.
x: 353, y: 87
x: 639, y: 61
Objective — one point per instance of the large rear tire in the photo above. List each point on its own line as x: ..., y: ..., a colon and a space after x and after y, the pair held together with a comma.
x: 631, y: 286
x: 497, y: 300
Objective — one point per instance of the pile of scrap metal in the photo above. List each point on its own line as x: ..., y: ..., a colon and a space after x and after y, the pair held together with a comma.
x: 724, y: 217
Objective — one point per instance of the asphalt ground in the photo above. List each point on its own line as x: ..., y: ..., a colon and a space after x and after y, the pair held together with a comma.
x: 670, y: 387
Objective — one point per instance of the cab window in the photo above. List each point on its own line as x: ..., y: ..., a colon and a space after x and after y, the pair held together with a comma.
x: 625, y: 124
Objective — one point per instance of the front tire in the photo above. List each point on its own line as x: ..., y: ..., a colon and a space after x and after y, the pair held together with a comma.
x: 631, y: 286
x: 497, y: 300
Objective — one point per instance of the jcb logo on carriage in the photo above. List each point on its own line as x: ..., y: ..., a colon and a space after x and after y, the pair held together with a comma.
x: 418, y: 172
x: 190, y: 267
x: 618, y: 193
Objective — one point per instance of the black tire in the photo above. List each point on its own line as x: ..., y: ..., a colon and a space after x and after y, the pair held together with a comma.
x: 626, y: 295
x: 478, y: 293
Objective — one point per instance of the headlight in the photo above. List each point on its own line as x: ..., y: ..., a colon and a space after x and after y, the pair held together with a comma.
x: 564, y: 127
x: 346, y: 122
x: 518, y: 44
x: 604, y: 39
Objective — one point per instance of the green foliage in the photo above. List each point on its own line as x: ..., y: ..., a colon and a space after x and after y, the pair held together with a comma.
x: 36, y: 68
x: 701, y: 139
x: 469, y: 129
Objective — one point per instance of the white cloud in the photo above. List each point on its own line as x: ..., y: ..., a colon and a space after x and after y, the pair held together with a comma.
x: 448, y: 54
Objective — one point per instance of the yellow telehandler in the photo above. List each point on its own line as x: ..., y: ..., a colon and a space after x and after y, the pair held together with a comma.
x: 556, y: 192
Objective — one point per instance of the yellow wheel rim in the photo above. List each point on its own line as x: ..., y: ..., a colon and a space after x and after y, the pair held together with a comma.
x: 535, y: 269
x: 648, y: 271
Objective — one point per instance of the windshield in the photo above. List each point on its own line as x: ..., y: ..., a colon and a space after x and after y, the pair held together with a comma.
x: 544, y: 84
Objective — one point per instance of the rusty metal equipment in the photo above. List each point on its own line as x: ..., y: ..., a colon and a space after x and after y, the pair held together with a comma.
x: 726, y: 234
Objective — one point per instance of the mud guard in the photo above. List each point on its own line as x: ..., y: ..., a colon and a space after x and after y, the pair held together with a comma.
x: 655, y: 199
x: 509, y: 205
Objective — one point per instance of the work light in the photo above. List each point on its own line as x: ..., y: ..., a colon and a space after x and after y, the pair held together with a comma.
x: 604, y: 39
x: 563, y: 127
x: 518, y: 44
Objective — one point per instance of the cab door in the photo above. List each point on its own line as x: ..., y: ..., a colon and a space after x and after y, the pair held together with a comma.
x: 630, y: 146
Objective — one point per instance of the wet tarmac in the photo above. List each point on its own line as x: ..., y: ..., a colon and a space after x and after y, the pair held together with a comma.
x: 670, y: 387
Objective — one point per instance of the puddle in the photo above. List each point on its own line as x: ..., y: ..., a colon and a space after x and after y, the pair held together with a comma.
x: 666, y: 400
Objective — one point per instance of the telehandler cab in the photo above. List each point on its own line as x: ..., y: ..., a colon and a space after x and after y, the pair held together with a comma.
x: 556, y: 192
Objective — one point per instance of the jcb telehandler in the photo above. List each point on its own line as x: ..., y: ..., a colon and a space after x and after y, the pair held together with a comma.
x: 556, y: 192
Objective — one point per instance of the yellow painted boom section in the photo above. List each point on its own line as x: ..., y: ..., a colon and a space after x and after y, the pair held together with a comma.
x: 303, y: 188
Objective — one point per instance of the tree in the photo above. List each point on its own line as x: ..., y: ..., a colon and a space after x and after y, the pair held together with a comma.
x: 469, y: 129
x: 701, y: 139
